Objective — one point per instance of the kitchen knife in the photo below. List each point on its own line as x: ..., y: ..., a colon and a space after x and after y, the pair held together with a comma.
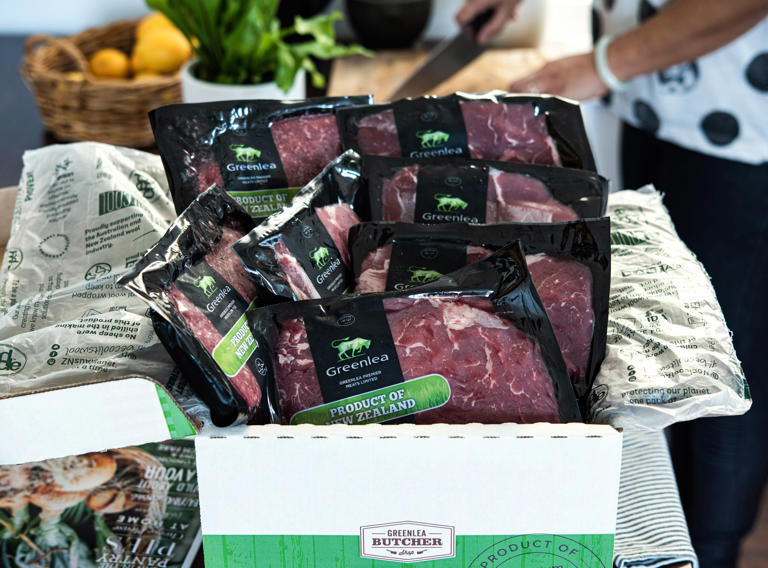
x: 445, y: 59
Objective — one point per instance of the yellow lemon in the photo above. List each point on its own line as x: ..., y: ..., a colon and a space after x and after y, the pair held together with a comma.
x: 109, y: 63
x: 74, y: 76
x: 154, y: 21
x: 145, y: 76
x: 162, y: 51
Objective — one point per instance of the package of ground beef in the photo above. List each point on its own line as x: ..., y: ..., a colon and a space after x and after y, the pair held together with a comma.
x: 195, y: 282
x: 494, y: 126
x: 475, y: 347
x: 301, y: 252
x: 569, y: 263
x: 418, y: 190
x: 261, y: 151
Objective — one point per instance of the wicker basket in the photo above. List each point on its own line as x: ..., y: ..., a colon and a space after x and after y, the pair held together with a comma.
x: 105, y: 110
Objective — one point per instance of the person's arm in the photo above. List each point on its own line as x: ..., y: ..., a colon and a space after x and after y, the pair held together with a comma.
x: 503, y: 10
x: 681, y: 31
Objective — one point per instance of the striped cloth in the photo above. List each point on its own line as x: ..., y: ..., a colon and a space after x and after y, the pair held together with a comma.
x: 650, y: 527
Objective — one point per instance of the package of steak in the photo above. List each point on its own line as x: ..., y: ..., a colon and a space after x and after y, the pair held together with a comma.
x: 194, y: 281
x: 422, y: 190
x: 473, y: 347
x: 260, y: 151
x: 301, y: 252
x: 568, y: 262
x: 493, y: 126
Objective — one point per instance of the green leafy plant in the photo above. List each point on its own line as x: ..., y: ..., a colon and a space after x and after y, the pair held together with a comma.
x: 241, y: 41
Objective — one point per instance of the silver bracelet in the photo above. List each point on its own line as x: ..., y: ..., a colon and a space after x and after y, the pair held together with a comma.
x: 601, y: 64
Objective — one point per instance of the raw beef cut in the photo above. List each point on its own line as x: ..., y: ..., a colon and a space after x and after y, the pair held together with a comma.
x: 375, y: 267
x: 519, y: 198
x: 508, y: 132
x: 306, y: 144
x: 565, y: 289
x: 496, y: 372
x: 495, y: 131
x: 337, y: 219
x: 222, y: 260
x: 377, y: 134
x: 511, y: 197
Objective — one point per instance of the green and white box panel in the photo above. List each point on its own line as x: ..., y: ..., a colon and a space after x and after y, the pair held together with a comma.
x: 464, y: 496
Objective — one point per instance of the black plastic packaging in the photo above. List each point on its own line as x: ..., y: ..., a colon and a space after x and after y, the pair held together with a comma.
x: 400, y: 256
x: 484, y: 191
x: 474, y: 346
x: 494, y: 126
x: 301, y: 252
x: 260, y: 151
x: 194, y: 281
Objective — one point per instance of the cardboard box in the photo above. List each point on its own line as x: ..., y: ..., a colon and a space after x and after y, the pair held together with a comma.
x: 469, y: 496
x: 87, y: 418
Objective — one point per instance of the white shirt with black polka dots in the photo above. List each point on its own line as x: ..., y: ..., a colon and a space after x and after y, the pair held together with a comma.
x: 716, y: 105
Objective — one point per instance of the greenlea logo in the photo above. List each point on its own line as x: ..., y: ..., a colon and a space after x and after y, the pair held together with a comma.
x: 320, y: 257
x: 207, y: 284
x: 244, y: 153
x: 447, y: 202
x: 347, y: 348
x: 12, y: 360
x: 432, y: 138
x: 421, y: 275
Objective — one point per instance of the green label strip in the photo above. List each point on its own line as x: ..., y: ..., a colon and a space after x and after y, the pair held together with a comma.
x: 236, y: 347
x: 178, y: 424
x: 263, y: 202
x: 382, y: 404
x: 520, y: 551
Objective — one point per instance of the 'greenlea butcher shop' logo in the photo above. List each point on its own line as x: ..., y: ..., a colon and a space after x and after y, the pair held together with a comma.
x: 347, y: 348
x: 244, y: 153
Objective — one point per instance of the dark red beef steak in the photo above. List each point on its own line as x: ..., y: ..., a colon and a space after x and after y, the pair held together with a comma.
x: 496, y: 372
x: 306, y: 144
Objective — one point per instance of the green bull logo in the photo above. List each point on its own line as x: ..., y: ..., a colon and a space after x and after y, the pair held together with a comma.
x: 446, y: 202
x: 244, y: 153
x: 350, y: 348
x: 422, y: 275
x: 432, y: 138
x: 207, y: 284
x: 319, y: 256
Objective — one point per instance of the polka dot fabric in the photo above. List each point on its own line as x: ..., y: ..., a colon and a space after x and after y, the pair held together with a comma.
x: 715, y: 105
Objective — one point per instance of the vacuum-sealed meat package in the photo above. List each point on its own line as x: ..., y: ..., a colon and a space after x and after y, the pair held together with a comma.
x: 476, y: 191
x: 569, y: 264
x: 494, y: 126
x: 473, y: 347
x: 192, y: 278
x: 301, y: 252
x: 260, y: 151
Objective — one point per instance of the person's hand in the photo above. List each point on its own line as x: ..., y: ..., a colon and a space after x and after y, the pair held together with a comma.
x: 574, y: 77
x: 504, y: 10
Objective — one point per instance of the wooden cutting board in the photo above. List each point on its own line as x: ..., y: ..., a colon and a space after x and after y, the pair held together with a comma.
x: 386, y: 70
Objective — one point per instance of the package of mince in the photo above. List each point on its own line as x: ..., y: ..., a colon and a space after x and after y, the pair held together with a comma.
x: 301, y: 252
x: 418, y: 190
x: 473, y: 347
x: 195, y: 282
x: 568, y: 262
x: 494, y: 126
x: 261, y: 151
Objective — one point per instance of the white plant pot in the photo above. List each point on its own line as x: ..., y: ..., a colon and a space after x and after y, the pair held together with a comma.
x: 194, y: 90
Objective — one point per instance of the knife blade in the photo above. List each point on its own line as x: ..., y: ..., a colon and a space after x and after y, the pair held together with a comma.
x: 448, y: 57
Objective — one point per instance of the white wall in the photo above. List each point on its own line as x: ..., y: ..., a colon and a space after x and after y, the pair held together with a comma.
x: 64, y: 16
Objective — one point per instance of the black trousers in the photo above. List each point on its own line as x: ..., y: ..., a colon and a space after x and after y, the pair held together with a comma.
x: 720, y: 210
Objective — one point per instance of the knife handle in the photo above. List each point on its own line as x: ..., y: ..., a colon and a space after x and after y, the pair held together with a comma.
x: 477, y: 23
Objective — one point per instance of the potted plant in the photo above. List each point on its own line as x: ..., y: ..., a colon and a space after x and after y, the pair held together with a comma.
x: 242, y: 52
